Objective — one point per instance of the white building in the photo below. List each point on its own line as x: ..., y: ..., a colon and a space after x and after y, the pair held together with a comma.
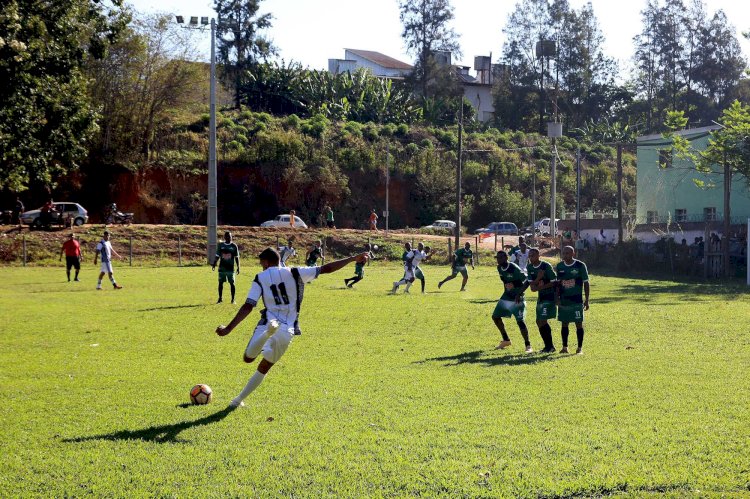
x: 378, y: 64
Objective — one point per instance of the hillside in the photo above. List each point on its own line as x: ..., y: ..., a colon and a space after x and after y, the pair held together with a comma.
x: 268, y: 165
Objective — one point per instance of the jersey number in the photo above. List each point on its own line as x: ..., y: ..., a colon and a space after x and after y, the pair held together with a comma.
x: 279, y: 299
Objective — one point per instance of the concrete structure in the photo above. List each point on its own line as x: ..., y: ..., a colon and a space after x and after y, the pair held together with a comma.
x: 668, y: 193
x: 378, y: 64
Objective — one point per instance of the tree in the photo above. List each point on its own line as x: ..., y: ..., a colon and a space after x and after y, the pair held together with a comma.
x: 239, y: 42
x: 426, y: 30
x: 46, y: 117
x: 728, y: 147
x: 148, y: 73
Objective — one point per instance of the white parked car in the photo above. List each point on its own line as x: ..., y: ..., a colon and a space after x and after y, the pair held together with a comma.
x: 283, y: 221
x: 64, y: 213
x: 542, y: 227
x: 441, y: 224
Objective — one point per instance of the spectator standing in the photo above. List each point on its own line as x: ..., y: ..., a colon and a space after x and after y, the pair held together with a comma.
x: 329, y: 218
x: 292, y: 215
x: 373, y: 220
x: 73, y: 255
x: 46, y: 213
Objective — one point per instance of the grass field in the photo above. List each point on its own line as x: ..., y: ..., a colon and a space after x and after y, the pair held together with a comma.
x: 381, y: 396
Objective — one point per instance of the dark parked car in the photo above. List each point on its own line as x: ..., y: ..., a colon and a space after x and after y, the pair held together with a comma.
x: 499, y: 228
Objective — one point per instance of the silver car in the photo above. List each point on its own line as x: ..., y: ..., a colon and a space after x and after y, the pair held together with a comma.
x: 64, y: 213
x: 283, y: 221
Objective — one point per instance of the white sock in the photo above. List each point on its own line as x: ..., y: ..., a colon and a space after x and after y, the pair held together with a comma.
x: 253, y: 383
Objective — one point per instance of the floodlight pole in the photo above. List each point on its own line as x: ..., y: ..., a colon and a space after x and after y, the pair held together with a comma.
x: 212, y: 219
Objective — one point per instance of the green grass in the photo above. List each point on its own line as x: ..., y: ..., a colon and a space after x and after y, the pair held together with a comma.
x: 381, y: 396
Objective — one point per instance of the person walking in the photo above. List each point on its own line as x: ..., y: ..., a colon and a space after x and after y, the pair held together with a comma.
x: 329, y: 218
x: 373, y: 220
x: 72, y: 250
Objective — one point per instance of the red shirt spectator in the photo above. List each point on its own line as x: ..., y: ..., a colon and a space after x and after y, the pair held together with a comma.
x: 72, y: 248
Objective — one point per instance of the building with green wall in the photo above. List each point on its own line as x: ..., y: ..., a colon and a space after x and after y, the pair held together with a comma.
x: 667, y: 191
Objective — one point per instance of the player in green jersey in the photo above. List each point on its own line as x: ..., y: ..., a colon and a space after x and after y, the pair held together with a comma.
x: 573, y: 282
x: 316, y: 252
x: 461, y: 257
x: 227, y: 255
x: 542, y: 278
x: 512, y: 302
x: 359, y: 269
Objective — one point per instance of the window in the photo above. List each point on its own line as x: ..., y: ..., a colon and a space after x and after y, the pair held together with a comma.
x: 680, y: 215
x: 652, y: 217
x: 665, y: 158
x: 709, y: 214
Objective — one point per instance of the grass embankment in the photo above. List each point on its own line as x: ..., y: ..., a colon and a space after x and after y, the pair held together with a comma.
x: 160, y: 245
x: 381, y: 395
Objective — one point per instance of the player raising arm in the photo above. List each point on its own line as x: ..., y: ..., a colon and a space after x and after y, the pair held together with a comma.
x: 282, y: 290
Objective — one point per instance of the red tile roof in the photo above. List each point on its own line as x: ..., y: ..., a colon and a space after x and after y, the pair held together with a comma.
x: 381, y: 59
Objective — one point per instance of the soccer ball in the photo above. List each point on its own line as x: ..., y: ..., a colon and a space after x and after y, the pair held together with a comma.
x: 201, y: 394
x: 375, y: 247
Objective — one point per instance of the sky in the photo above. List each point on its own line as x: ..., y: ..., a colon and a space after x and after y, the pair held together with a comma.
x: 313, y: 31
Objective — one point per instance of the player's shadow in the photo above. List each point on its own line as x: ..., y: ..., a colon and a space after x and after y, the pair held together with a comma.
x: 171, y: 307
x: 482, y: 302
x: 479, y: 357
x: 158, y: 434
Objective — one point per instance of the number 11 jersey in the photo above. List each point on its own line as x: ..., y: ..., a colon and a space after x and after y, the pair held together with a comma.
x: 282, y: 290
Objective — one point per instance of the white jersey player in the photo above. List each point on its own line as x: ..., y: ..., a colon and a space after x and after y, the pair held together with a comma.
x: 287, y: 252
x: 105, y: 251
x: 521, y: 256
x: 417, y: 256
x: 282, y: 290
x: 408, y: 259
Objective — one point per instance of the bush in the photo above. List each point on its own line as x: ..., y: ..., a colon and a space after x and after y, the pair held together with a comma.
x: 235, y: 145
x: 447, y: 138
x: 293, y: 121
x: 240, y: 130
x: 370, y: 132
x: 411, y: 149
x: 263, y: 117
x: 426, y: 144
x: 353, y: 128
x: 317, y: 126
x: 388, y: 130
x: 402, y: 130
x: 246, y: 115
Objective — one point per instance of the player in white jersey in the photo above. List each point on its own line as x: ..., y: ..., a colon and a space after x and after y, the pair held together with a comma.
x: 281, y: 290
x: 521, y: 256
x: 105, y: 251
x: 287, y: 252
x: 419, y: 255
x: 407, y: 258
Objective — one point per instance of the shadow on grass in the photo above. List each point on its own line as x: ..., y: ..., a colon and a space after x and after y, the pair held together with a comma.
x: 171, y: 307
x: 482, y: 302
x: 478, y: 357
x: 159, y: 434
x: 642, y: 292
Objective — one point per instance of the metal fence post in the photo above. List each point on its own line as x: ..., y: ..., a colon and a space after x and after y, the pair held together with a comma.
x: 179, y: 251
x: 131, y: 251
x: 450, y: 249
x: 476, y: 247
x: 495, y: 242
x: 24, y: 250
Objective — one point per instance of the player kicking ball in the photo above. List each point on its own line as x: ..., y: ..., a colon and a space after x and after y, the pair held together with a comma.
x: 282, y: 290
x: 573, y: 282
x: 542, y: 278
x: 512, y: 302
x: 105, y: 250
x: 359, y: 269
x: 419, y: 255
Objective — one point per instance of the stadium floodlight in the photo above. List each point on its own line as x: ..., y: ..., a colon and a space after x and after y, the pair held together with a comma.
x: 212, y: 217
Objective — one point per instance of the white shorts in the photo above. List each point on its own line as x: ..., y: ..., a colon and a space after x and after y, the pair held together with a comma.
x: 275, y: 347
x: 408, y: 275
x: 107, y: 267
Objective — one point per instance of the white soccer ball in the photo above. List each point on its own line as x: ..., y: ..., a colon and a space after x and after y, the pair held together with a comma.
x: 375, y: 247
x: 201, y: 394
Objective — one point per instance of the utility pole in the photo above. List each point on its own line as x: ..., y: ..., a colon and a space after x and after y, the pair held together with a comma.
x: 533, y: 205
x: 578, y: 192
x: 727, y: 212
x: 387, y: 185
x: 212, y: 188
x: 619, y: 192
x: 458, y: 171
x: 211, y: 222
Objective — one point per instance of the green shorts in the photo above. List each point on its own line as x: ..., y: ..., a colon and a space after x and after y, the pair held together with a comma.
x: 226, y: 276
x: 418, y: 274
x: 508, y: 308
x: 545, y: 310
x: 461, y: 269
x: 359, y: 272
x: 570, y: 312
